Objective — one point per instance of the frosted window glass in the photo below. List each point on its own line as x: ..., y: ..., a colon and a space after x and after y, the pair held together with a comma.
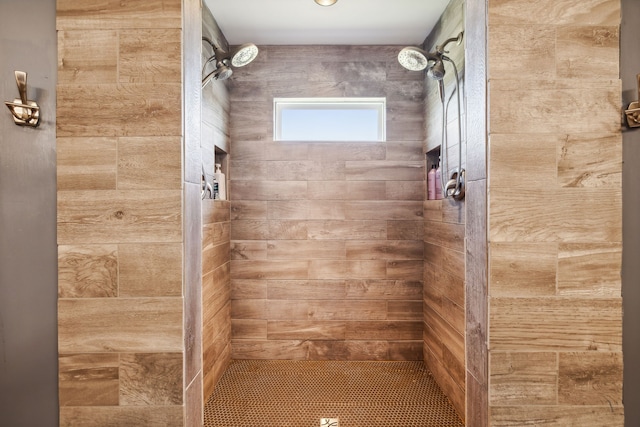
x: 329, y: 119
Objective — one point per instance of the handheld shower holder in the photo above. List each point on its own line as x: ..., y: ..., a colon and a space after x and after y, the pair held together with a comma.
x: 24, y: 112
x: 633, y: 112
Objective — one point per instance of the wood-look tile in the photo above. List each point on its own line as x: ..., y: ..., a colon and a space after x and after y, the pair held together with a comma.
x: 590, y: 378
x: 523, y: 269
x: 117, y: 416
x: 590, y: 12
x: 321, y: 210
x: 248, y: 289
x: 404, y: 310
x: 405, y: 230
x: 556, y: 103
x: 350, y: 151
x: 247, y: 209
x: 269, y: 349
x: 404, y: 270
x: 365, y: 190
x: 194, y: 402
x: 88, y: 57
x: 151, y: 379
x: 288, y: 209
x: 153, y: 270
x: 215, y: 256
x: 215, y: 211
x: 587, y: 51
x: 75, y: 14
x: 86, y: 163
x: 88, y: 379
x: 346, y: 229
x: 215, y: 234
x: 270, y: 269
x: 451, y: 339
x: 558, y: 416
x: 551, y: 324
x: 384, y: 170
x: 249, y: 309
x: 156, y: 106
x: 266, y: 190
x: 523, y: 378
x: 454, y: 392
x: 305, y: 329
x: 248, y: 329
x: 306, y: 249
x: 404, y: 150
x: 306, y: 289
x: 390, y: 210
x: 405, y: 190
x: 89, y: 271
x: 150, y: 56
x: 588, y: 160
x: 443, y: 234
x: 216, y: 292
x: 381, y: 330
x: 537, y: 41
x: 250, y: 230
x: 323, y: 190
x: 149, y: 163
x: 387, y: 249
x: 433, y: 210
x: 515, y: 158
x: 355, y: 269
x: 383, y: 289
x: 590, y: 270
x: 119, y: 216
x: 249, y: 249
x: 595, y: 215
x: 288, y: 230
x: 120, y: 324
x: 213, y: 375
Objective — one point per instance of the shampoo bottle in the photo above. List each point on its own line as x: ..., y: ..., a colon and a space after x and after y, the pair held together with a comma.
x: 222, y: 183
x: 438, y: 183
x: 431, y: 183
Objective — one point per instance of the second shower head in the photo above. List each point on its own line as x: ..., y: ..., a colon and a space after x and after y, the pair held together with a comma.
x: 416, y: 59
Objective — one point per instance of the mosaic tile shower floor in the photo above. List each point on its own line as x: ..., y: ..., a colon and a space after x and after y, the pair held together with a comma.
x: 278, y: 393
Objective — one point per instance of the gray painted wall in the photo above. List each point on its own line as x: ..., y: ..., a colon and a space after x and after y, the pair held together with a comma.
x: 28, y: 275
x: 629, y: 68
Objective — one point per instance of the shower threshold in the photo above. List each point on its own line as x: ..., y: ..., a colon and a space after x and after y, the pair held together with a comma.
x: 278, y: 393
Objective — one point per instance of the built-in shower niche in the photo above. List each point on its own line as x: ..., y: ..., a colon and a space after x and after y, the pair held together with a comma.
x: 221, y: 157
x: 432, y: 158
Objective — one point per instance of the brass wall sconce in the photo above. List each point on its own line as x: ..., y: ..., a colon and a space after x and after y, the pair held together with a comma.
x: 633, y: 112
x: 24, y: 112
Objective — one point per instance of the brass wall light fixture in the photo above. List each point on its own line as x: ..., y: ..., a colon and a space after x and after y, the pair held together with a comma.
x: 633, y: 112
x: 225, y: 62
x: 24, y: 112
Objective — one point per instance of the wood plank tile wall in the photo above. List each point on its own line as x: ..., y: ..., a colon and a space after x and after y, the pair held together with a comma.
x: 120, y: 213
x: 444, y: 231
x: 216, y: 230
x: 326, y: 238
x: 555, y: 213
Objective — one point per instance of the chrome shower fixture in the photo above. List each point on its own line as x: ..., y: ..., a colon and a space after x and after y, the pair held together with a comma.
x: 416, y: 59
x: 224, y: 61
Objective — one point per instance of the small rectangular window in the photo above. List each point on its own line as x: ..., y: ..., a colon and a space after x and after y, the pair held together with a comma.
x: 329, y: 119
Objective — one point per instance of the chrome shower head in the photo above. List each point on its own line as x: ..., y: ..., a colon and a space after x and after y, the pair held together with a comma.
x: 225, y: 62
x: 415, y: 59
x: 244, y: 54
x: 436, y: 71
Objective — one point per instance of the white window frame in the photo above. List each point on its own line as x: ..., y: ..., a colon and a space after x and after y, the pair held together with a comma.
x: 378, y: 104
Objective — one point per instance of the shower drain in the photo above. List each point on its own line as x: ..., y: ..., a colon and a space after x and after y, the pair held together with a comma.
x: 329, y: 422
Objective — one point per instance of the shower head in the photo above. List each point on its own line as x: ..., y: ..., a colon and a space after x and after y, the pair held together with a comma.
x: 436, y: 71
x: 415, y: 59
x: 224, y: 61
x: 244, y: 54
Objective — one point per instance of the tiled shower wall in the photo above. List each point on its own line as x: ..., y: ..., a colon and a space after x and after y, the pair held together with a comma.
x: 555, y: 213
x: 120, y: 215
x: 444, y: 227
x: 326, y: 238
x: 216, y: 285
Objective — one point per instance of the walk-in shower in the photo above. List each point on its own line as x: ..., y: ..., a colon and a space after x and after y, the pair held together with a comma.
x: 416, y: 59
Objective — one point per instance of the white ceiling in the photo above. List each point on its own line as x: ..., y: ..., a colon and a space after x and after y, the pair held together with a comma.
x: 350, y: 22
